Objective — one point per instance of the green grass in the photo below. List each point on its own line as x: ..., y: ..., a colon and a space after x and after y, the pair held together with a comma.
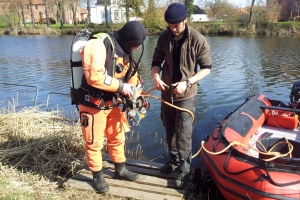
x: 5, y: 21
x: 3, y: 183
x: 288, y: 24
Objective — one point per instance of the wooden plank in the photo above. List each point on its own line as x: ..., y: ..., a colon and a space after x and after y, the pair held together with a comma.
x: 122, y: 191
x: 150, y: 185
x: 140, y: 163
x: 143, y: 179
x: 146, y: 168
x: 144, y: 183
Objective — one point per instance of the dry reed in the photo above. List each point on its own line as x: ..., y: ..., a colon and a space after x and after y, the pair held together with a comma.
x: 40, y: 142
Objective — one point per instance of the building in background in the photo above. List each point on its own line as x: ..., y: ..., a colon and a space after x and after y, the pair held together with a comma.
x: 199, y: 15
x: 115, y: 12
x: 288, y: 10
x: 39, y: 12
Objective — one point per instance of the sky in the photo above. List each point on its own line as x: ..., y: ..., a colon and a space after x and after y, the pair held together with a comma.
x: 240, y: 3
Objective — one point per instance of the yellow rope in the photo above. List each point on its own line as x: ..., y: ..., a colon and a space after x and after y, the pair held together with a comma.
x: 165, y: 102
x: 248, y: 147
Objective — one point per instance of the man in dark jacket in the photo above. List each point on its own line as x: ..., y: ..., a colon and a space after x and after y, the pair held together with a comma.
x: 179, y: 51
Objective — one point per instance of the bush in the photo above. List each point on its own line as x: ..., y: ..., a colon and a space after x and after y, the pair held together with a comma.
x: 52, y: 21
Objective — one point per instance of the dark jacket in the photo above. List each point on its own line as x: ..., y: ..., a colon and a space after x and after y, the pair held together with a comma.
x: 195, y: 50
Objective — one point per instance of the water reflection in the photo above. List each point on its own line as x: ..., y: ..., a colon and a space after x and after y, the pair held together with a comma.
x: 241, y: 67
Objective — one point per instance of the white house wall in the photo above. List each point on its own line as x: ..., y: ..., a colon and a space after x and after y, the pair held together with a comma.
x: 199, y: 18
x: 98, y: 15
x: 116, y: 14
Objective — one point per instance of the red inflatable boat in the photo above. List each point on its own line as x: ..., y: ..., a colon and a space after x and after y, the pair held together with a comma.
x: 255, y: 152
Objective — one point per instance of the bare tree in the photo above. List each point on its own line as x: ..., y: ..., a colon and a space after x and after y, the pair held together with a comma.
x: 74, y: 6
x: 88, y: 7
x: 251, y: 11
x: 173, y: 1
x: 22, y: 13
x: 216, y: 7
x: 58, y: 12
x: 106, y: 2
x: 31, y: 13
x: 273, y: 9
x: 47, y: 13
x: 135, y: 5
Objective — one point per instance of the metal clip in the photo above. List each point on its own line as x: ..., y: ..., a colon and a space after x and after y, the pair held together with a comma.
x: 87, y: 98
x: 172, y: 94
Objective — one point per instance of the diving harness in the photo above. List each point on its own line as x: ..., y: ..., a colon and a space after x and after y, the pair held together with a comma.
x: 136, y: 105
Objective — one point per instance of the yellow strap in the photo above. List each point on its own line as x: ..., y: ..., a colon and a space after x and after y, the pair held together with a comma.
x: 103, y: 36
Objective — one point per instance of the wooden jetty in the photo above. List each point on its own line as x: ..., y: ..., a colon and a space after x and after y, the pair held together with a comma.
x: 150, y: 185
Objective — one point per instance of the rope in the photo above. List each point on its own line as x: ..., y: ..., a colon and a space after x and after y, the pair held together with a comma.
x: 248, y: 147
x: 146, y: 94
x: 236, y: 143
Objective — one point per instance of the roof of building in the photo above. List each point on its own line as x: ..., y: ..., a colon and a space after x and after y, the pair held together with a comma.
x: 83, y: 11
x: 33, y: 2
x: 198, y: 10
x: 242, y: 11
x: 100, y: 1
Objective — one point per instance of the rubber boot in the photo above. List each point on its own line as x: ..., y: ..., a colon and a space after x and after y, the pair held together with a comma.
x: 99, y: 182
x: 122, y: 173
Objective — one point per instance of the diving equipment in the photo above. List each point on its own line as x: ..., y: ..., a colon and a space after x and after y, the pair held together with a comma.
x: 79, y: 40
x: 139, y: 105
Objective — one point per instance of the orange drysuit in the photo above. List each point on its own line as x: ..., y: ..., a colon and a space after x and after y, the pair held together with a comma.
x: 112, y: 122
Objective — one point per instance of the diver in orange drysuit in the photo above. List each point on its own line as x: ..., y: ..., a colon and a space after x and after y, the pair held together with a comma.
x: 108, y: 74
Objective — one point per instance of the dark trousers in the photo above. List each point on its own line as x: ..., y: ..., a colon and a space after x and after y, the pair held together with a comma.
x: 178, y: 125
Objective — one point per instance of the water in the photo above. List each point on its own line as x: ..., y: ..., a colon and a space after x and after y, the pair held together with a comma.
x: 35, y: 70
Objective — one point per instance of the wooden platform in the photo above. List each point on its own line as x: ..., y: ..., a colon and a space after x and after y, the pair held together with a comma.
x: 150, y: 185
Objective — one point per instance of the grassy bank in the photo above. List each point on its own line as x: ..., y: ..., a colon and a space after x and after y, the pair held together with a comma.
x: 206, y: 28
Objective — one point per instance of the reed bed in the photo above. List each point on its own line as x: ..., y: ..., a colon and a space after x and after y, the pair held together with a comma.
x: 41, y: 142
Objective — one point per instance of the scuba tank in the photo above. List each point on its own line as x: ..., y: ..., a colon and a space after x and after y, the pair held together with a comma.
x: 79, y: 40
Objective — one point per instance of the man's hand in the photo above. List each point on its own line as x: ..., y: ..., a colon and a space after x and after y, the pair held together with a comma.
x: 179, y: 87
x: 127, y: 90
x: 158, y: 83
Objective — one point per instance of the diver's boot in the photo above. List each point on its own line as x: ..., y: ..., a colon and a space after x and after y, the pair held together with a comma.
x: 99, y: 182
x: 122, y: 173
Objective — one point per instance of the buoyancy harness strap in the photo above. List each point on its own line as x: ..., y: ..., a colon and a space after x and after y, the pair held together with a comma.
x: 94, y: 97
x: 110, y: 51
x: 98, y: 100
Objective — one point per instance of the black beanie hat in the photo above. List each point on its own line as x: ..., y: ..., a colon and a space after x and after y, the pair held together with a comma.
x: 176, y: 13
x: 131, y: 34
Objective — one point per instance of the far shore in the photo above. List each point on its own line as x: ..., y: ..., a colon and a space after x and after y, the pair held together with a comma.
x: 213, y: 29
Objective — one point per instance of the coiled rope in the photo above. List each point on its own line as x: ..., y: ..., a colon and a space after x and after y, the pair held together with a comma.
x: 235, y: 143
x: 249, y: 147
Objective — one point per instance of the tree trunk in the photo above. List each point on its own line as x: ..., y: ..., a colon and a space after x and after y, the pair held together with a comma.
x: 31, y: 12
x: 74, y: 8
x: 88, y: 7
x: 127, y: 13
x: 59, y: 16
x: 251, y: 10
x: 47, y: 13
x: 106, y: 13
x: 22, y: 13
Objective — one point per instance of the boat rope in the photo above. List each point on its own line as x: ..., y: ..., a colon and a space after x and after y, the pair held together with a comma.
x: 249, y: 147
x: 146, y: 94
x: 236, y: 143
